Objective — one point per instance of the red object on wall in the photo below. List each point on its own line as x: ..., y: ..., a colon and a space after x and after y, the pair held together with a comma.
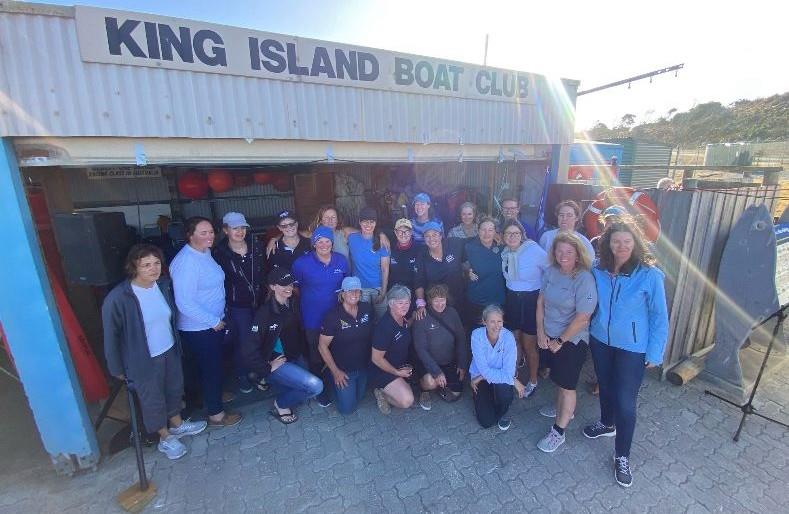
x: 242, y: 179
x: 263, y: 177
x: 193, y: 185
x: 592, y: 172
x: 220, y: 181
x: 282, y: 182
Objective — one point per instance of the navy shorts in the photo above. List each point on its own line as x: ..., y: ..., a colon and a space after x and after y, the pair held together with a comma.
x: 520, y: 311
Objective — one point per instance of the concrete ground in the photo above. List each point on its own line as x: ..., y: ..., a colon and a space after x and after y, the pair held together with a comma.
x: 684, y: 460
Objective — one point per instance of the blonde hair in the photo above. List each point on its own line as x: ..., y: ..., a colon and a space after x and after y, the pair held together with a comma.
x: 565, y: 236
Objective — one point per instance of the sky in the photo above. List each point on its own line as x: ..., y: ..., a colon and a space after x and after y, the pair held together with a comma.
x: 731, y: 50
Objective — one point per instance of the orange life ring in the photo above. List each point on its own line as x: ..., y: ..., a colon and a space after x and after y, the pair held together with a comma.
x: 637, y: 203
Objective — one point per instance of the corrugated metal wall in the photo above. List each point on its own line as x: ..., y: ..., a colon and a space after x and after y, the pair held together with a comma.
x: 642, y: 153
x: 51, y: 92
x: 695, y: 228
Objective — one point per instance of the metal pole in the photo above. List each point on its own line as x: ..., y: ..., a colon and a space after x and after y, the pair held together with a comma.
x: 136, y: 438
x: 485, y: 57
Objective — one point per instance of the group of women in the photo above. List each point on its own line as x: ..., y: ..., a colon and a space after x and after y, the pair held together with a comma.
x: 393, y: 313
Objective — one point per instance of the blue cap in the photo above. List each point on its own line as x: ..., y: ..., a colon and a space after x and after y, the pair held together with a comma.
x: 321, y: 231
x: 350, y: 284
x: 614, y: 210
x: 422, y: 197
x: 432, y: 225
x: 234, y: 220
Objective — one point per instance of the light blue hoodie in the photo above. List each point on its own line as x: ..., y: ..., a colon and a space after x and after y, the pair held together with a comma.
x: 631, y: 311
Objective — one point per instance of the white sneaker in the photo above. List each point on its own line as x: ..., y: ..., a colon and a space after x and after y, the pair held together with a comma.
x: 549, y: 411
x: 529, y: 389
x: 188, y: 427
x: 551, y: 442
x: 172, y: 447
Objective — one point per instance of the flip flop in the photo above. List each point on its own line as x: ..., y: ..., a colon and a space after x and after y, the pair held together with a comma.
x: 281, y: 417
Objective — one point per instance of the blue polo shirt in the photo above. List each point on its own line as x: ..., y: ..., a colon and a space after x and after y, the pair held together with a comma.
x: 366, y: 261
x: 486, y: 264
x: 318, y: 283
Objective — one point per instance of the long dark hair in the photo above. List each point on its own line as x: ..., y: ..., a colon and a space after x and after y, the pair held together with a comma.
x: 641, y: 254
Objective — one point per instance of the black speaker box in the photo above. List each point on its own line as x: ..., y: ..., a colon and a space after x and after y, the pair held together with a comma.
x: 93, y: 245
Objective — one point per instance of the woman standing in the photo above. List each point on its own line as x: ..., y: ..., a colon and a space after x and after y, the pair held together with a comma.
x: 404, y: 255
x: 441, y: 347
x: 441, y: 262
x: 523, y: 263
x: 628, y: 333
x: 275, y: 348
x: 199, y: 285
x: 290, y: 246
x: 319, y: 275
x: 370, y: 260
x: 568, y: 214
x: 423, y: 217
x: 391, y: 345
x: 568, y: 298
x: 344, y: 344
x: 468, y: 226
x: 141, y: 347
x: 492, y: 370
x: 486, y: 282
x: 241, y: 258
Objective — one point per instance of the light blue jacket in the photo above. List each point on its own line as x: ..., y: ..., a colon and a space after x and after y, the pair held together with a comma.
x: 631, y: 311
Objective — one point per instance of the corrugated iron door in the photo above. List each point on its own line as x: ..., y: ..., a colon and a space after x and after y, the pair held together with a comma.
x: 311, y: 190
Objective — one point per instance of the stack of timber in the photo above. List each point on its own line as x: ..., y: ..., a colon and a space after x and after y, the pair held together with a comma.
x: 695, y: 227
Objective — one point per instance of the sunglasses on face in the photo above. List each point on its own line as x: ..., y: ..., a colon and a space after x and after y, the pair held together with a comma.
x: 287, y: 225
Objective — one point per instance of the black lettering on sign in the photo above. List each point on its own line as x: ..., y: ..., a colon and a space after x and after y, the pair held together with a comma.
x: 321, y: 63
x: 152, y: 38
x: 346, y: 64
x: 455, y: 71
x: 442, y: 78
x: 423, y: 74
x: 365, y: 74
x: 293, y: 65
x: 509, y: 85
x: 217, y: 56
x: 404, y: 71
x: 169, y: 42
x: 121, y: 36
x: 483, y: 89
x: 275, y: 62
x: 494, y: 89
x: 523, y: 86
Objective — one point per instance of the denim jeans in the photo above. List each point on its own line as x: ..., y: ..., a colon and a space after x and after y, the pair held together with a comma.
x: 239, y: 321
x: 619, y: 373
x: 348, y: 397
x: 492, y: 401
x: 294, y: 385
x: 205, y: 348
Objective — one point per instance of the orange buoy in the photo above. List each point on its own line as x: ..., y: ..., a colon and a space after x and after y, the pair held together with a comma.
x: 220, y: 181
x: 637, y: 203
x: 193, y: 185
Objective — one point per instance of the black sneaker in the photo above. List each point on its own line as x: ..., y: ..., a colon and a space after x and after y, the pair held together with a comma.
x: 597, y: 429
x: 622, y: 473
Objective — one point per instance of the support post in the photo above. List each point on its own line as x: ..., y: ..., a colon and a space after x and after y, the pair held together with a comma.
x: 35, y: 334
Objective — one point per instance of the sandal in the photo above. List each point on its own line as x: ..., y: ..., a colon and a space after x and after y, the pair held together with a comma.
x: 286, y: 418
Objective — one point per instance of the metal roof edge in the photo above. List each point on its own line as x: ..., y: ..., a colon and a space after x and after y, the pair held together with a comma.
x: 62, y: 11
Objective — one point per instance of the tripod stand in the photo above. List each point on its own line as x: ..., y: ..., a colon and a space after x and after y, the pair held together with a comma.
x: 747, y: 408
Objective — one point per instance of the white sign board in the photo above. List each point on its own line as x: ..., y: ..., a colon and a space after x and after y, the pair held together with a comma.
x: 782, y: 263
x: 124, y: 172
x: 137, y: 39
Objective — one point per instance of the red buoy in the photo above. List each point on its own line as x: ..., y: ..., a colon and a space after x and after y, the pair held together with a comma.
x: 263, y: 177
x: 193, y: 185
x: 220, y: 181
x: 282, y: 182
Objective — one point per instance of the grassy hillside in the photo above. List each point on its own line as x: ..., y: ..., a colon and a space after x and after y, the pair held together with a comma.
x: 763, y: 119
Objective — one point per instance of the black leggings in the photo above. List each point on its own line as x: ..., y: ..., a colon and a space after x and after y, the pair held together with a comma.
x: 491, y: 402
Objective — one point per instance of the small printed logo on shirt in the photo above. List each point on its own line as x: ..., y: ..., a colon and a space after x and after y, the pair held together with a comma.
x: 392, y: 260
x: 450, y: 258
x: 344, y: 324
x: 433, y: 326
x: 337, y: 270
x: 398, y: 335
x: 255, y: 329
x: 365, y: 318
x: 496, y: 249
x: 273, y: 327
